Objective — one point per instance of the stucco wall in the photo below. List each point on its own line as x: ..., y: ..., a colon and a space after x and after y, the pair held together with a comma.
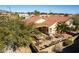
x: 69, y: 22
x: 53, y: 27
x: 24, y: 15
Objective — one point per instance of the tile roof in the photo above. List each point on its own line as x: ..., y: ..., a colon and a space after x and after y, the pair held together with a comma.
x: 53, y: 19
x: 50, y: 20
x: 32, y: 19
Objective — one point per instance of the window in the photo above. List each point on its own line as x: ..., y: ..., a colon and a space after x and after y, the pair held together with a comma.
x: 50, y: 29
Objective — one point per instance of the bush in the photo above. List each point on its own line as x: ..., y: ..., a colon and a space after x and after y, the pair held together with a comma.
x: 67, y: 42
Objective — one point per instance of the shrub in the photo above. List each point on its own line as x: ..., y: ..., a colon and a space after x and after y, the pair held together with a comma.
x: 67, y: 42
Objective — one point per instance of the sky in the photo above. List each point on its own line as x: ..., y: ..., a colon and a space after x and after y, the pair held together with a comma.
x: 72, y: 9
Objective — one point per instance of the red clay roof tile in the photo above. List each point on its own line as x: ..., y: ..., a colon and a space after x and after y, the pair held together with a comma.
x: 50, y: 20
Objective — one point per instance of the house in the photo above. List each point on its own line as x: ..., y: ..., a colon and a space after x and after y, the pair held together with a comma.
x: 47, y: 24
x: 25, y: 15
x: 4, y: 14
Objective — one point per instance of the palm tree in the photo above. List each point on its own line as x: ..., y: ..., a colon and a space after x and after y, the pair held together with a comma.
x: 62, y: 27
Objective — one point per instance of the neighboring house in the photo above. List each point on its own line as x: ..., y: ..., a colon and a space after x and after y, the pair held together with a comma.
x: 44, y: 15
x: 47, y: 24
x: 24, y: 15
x: 4, y: 14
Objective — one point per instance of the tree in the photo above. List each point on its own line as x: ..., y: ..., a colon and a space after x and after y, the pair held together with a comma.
x: 75, y: 22
x: 66, y: 15
x: 15, y: 33
x: 29, y: 13
x: 68, y: 41
x: 51, y: 13
x: 62, y: 27
x: 37, y: 13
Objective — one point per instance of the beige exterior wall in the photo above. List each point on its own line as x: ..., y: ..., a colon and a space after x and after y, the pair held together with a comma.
x: 24, y: 15
x: 69, y: 22
x: 52, y: 29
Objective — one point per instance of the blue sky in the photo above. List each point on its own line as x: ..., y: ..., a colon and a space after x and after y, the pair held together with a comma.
x: 43, y: 8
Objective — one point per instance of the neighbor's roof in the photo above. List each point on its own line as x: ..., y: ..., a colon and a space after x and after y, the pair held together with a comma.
x: 32, y: 19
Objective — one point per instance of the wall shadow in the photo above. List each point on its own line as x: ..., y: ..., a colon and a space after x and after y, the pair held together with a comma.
x: 74, y: 48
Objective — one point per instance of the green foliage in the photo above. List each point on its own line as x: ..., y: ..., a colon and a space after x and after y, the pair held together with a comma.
x: 67, y: 42
x: 2, y: 46
x: 76, y: 21
x: 22, y: 18
x: 14, y: 32
x: 37, y: 13
x: 51, y: 13
x: 62, y: 27
x: 29, y: 13
x: 14, y: 16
